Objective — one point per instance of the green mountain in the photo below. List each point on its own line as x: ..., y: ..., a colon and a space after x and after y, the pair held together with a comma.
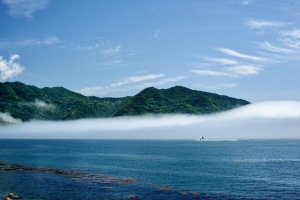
x: 178, y: 100
x: 28, y: 102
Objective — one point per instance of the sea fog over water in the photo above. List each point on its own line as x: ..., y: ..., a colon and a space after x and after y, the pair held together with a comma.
x: 264, y: 120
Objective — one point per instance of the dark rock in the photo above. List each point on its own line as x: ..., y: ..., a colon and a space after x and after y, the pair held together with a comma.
x: 11, y: 196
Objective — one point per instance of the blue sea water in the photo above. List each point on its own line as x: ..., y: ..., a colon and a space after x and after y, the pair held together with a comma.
x: 245, y: 169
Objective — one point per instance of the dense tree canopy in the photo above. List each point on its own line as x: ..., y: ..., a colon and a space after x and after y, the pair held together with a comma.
x: 27, y: 102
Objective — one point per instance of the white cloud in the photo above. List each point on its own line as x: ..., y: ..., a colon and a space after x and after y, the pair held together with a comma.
x: 286, y: 48
x: 10, y: 68
x: 295, y: 33
x: 224, y: 67
x: 42, y: 105
x: 261, y: 120
x: 267, y: 109
x: 109, y: 55
x: 159, y: 82
x: 244, y: 69
x: 269, y: 47
x: 7, y: 118
x: 48, y: 41
x: 222, y: 61
x: 168, y: 80
x: 112, y: 62
x: 24, y: 8
x: 135, y: 79
x: 129, y: 83
x: 291, y: 43
x: 263, y: 23
x: 202, y: 86
x: 240, y: 55
x: 212, y: 73
x: 102, y: 47
x: 111, y: 51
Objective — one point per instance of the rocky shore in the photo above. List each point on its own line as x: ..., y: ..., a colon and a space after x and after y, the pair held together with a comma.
x: 107, y: 183
x: 11, y: 196
x: 71, y: 174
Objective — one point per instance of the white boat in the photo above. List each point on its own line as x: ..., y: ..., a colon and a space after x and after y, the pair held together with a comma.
x: 201, y: 139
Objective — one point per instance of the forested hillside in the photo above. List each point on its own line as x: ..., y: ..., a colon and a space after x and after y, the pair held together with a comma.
x: 28, y: 102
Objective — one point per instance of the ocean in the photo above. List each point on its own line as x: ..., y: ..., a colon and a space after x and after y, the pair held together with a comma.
x: 150, y: 169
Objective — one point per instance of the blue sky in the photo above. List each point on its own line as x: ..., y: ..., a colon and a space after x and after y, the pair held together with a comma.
x: 247, y: 49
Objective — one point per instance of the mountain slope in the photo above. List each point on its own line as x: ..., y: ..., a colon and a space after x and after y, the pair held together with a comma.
x: 28, y: 102
x: 177, y: 99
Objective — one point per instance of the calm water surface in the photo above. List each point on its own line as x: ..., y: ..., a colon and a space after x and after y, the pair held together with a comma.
x: 246, y: 169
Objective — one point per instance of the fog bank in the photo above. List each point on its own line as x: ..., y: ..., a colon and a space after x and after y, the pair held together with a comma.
x: 279, y: 119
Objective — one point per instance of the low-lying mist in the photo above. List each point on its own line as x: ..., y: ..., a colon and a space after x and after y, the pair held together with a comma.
x: 263, y: 120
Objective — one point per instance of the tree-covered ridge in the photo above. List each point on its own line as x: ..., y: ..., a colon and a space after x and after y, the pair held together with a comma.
x: 178, y: 100
x: 28, y: 102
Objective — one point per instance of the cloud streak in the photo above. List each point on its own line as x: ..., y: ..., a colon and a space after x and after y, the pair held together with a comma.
x: 260, y: 120
x: 212, y: 73
x: 111, y: 51
x: 286, y: 48
x: 263, y: 23
x: 48, y: 41
x: 240, y: 55
x: 244, y: 70
x: 237, y: 64
x: 109, y: 55
x: 136, y: 79
x: 10, y: 68
x: 24, y: 8
x: 130, y: 83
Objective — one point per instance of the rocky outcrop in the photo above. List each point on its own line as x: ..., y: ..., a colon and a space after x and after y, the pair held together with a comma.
x: 11, y: 196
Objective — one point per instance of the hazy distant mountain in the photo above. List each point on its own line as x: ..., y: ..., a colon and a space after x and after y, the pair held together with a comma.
x: 27, y: 102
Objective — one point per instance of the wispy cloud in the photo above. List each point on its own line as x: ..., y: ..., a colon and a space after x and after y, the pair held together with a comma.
x: 111, y: 51
x: 295, y: 33
x: 244, y: 69
x: 136, y: 79
x: 161, y: 82
x: 242, y: 65
x: 110, y: 55
x: 270, y: 47
x: 222, y: 61
x: 212, y: 73
x: 263, y: 23
x: 240, y: 55
x: 24, y: 8
x: 286, y: 48
x: 105, y: 48
x: 48, y: 41
x: 130, y: 83
x: 215, y: 86
x: 236, y: 64
x: 10, y: 68
x: 112, y: 62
